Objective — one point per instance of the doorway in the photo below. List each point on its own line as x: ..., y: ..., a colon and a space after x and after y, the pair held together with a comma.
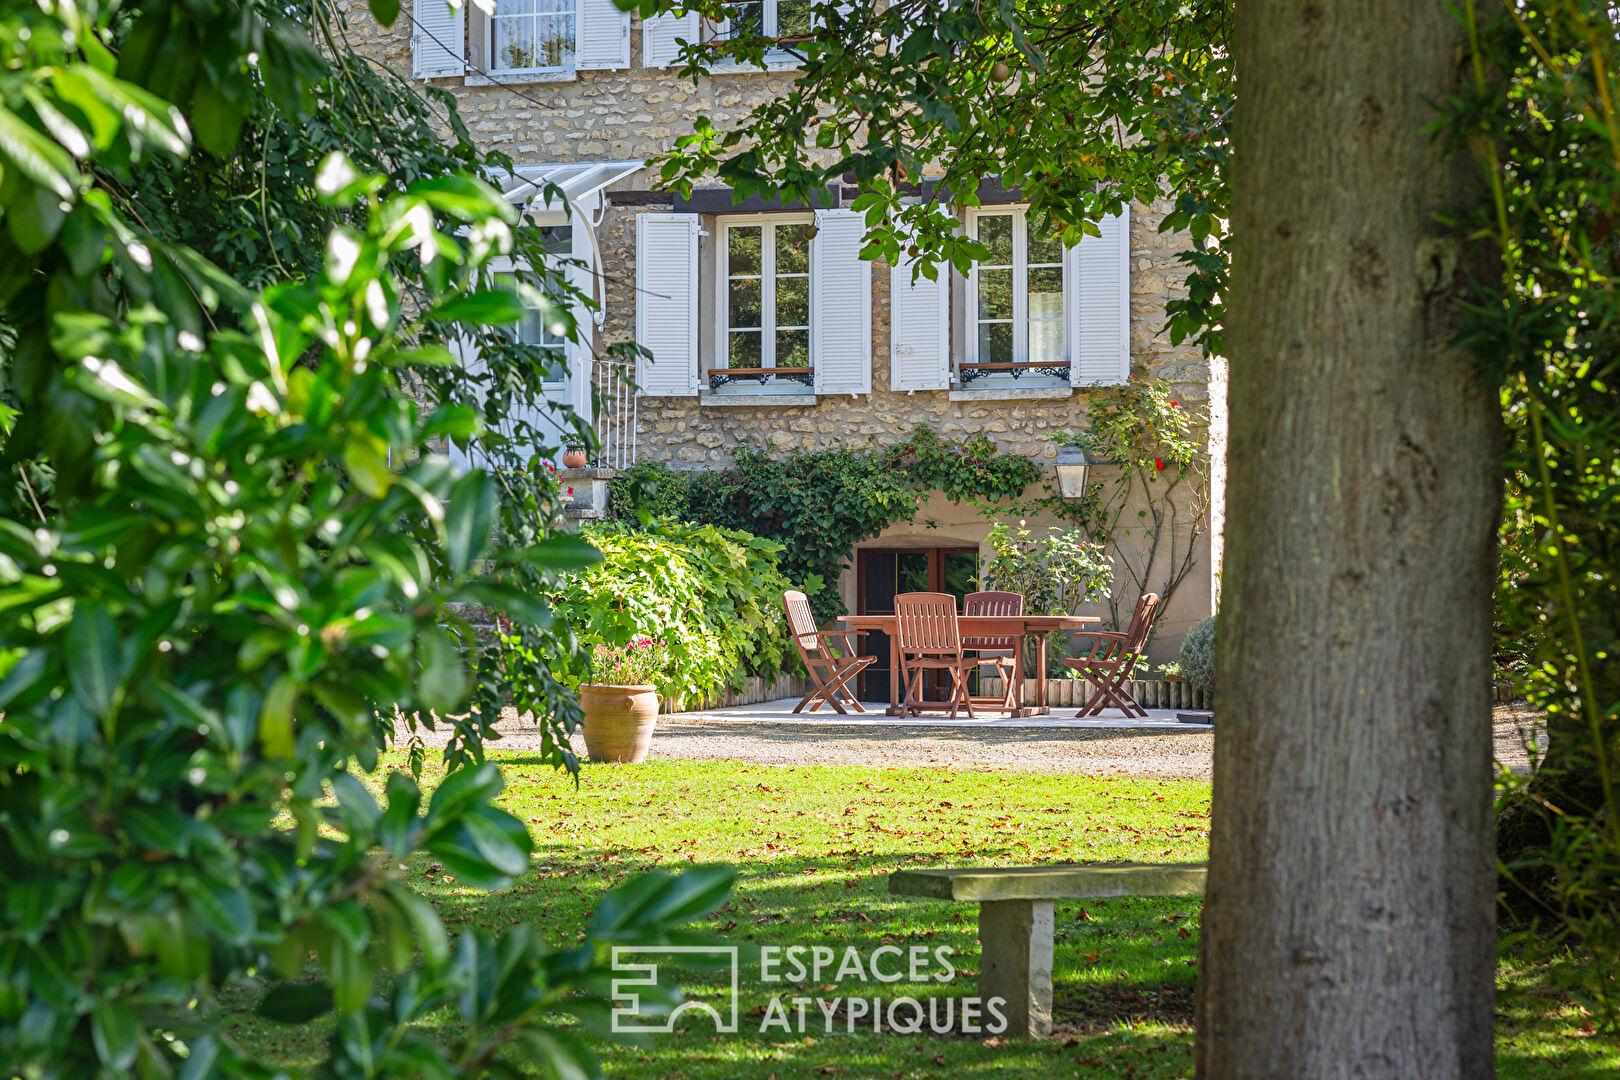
x: 881, y: 573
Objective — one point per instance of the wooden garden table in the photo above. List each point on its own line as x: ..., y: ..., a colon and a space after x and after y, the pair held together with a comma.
x: 1039, y: 627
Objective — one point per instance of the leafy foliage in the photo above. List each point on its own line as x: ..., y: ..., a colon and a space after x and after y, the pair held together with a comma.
x: 1084, y: 106
x: 226, y: 564
x: 709, y: 595
x: 819, y: 504
x: 1541, y: 122
x: 1196, y: 662
x: 1054, y: 573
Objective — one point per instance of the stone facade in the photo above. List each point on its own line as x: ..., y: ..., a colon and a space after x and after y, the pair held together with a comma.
x: 637, y: 113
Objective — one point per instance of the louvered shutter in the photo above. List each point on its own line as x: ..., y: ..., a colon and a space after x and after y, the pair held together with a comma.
x: 919, y: 330
x: 840, y: 304
x: 1099, y: 304
x: 667, y: 303
x: 604, y: 36
x: 438, y: 39
x: 661, y: 36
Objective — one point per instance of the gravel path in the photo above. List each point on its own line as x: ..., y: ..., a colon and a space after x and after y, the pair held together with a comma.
x: 1151, y: 754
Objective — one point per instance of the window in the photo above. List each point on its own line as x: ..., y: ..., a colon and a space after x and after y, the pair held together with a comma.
x: 775, y: 18
x: 765, y: 305
x: 534, y: 329
x: 532, y: 35
x: 1016, y: 296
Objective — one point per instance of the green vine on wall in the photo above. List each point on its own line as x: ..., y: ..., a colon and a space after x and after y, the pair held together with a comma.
x: 819, y: 504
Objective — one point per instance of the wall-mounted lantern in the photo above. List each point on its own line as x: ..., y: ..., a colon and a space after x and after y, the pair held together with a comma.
x: 1073, y: 465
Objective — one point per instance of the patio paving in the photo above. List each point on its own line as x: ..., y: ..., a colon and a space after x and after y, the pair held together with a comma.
x: 781, y: 712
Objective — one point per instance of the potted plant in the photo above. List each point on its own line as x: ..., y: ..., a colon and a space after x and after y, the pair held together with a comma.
x: 620, y: 703
x: 574, y: 453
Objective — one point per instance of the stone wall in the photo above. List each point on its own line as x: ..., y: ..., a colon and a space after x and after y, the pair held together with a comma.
x: 637, y: 113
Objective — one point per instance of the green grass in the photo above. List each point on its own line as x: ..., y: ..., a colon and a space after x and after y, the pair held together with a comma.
x: 814, y: 846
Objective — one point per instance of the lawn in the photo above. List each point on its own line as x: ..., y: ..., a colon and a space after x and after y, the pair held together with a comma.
x: 813, y: 847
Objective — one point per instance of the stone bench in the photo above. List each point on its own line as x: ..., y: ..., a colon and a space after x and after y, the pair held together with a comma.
x: 1015, y: 919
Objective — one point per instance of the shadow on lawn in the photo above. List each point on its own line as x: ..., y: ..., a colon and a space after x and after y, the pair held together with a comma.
x: 771, y: 731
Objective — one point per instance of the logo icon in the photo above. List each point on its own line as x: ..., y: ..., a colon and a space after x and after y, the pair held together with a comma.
x: 628, y: 1017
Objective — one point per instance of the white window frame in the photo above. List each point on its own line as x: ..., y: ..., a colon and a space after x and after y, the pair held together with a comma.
x: 767, y: 290
x: 489, y: 42
x: 1020, y: 312
x: 775, y: 59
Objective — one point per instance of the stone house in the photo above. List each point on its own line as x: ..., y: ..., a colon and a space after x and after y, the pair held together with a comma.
x: 764, y: 324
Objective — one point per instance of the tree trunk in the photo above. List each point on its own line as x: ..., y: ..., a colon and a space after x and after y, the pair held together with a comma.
x: 1348, y: 927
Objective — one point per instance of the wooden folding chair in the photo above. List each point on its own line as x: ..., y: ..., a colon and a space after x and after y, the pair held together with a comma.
x: 927, y: 639
x: 1113, y: 660
x: 829, y: 672
x: 1005, y: 653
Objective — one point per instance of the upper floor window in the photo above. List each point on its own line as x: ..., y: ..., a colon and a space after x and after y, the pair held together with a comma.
x: 776, y: 18
x: 765, y: 308
x: 1016, y: 300
x: 532, y: 35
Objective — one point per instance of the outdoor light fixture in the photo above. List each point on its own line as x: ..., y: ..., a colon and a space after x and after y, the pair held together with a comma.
x: 1073, y: 463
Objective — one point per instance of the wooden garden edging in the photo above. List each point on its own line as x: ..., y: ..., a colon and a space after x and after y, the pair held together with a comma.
x: 1149, y: 693
x: 754, y: 691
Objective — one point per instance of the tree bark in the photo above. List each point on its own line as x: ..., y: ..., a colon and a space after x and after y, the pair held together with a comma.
x: 1348, y: 927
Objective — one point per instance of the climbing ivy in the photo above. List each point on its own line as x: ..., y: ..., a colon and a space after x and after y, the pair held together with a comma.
x: 818, y: 504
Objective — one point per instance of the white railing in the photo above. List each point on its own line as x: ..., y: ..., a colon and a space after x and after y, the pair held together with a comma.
x: 615, y: 412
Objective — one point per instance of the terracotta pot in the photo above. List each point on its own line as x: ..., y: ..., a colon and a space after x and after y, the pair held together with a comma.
x: 619, y: 721
x: 574, y: 459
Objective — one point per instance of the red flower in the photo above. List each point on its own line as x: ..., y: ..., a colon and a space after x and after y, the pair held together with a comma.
x: 570, y: 491
x: 1159, y: 462
x: 1177, y: 404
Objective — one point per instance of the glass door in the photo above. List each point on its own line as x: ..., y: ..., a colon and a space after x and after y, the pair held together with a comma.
x: 881, y: 573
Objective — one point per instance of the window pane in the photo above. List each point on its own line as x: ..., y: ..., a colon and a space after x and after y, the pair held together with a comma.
x: 745, y: 300
x: 1043, y: 249
x: 743, y: 247
x: 1046, y: 292
x: 556, y: 41
x: 744, y: 349
x: 513, y: 46
x: 792, y: 249
x: 793, y: 18
x: 793, y: 301
x: 557, y: 239
x: 556, y: 366
x: 995, y: 343
x: 793, y: 348
x: 1046, y: 341
x: 996, y: 234
x: 750, y: 17
x: 995, y: 294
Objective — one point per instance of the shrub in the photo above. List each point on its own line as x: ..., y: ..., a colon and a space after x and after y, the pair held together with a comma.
x: 709, y: 594
x: 651, y: 487
x: 1054, y: 573
x: 1197, y: 659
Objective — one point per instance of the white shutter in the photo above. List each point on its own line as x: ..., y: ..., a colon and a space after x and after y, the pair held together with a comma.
x: 604, y: 36
x: 438, y: 39
x: 919, y: 329
x: 1099, y: 304
x: 659, y: 34
x: 840, y: 304
x: 667, y: 303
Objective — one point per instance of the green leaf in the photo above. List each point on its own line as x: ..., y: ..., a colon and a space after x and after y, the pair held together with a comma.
x: 276, y: 720
x: 462, y: 196
x: 351, y: 977
x: 296, y: 1003
x: 364, y: 456
x: 487, y: 307
x: 442, y: 685
x: 115, y: 1034
x: 560, y: 551
x: 35, y: 156
x: 95, y: 667
x: 385, y: 11
x: 468, y: 518
x: 217, y: 118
